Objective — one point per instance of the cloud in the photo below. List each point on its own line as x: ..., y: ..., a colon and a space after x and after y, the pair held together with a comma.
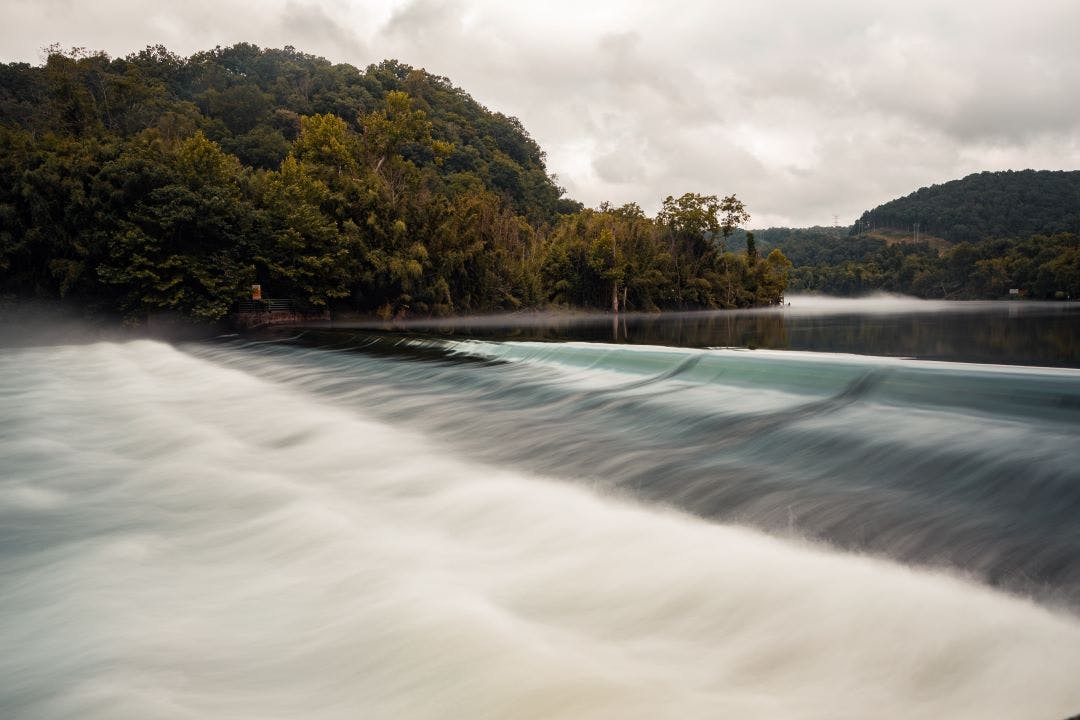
x: 803, y: 110
x: 420, y: 19
x: 311, y: 25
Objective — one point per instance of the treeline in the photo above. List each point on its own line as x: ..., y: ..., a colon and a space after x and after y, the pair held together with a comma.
x: 1007, y: 204
x: 837, y: 261
x: 1042, y: 267
x: 818, y: 245
x: 159, y: 183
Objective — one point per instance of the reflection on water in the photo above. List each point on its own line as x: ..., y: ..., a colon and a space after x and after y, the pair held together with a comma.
x: 1020, y: 333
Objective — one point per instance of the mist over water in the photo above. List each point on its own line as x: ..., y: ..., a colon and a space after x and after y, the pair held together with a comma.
x: 362, y: 524
x: 1008, y: 332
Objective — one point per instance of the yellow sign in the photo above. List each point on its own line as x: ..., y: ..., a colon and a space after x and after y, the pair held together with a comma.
x: 256, y: 292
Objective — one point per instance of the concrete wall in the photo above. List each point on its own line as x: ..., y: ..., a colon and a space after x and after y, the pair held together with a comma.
x: 247, y: 320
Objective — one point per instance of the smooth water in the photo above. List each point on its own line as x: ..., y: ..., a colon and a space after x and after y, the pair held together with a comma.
x: 408, y: 525
x: 1007, y: 332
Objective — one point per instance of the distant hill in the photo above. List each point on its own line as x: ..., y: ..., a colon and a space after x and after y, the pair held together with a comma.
x: 988, y: 235
x: 817, y: 245
x: 986, y: 205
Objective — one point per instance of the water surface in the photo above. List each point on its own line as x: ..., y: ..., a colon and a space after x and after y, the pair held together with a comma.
x: 416, y: 523
x: 1007, y: 332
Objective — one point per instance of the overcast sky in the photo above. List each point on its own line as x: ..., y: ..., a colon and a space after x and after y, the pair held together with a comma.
x: 804, y: 110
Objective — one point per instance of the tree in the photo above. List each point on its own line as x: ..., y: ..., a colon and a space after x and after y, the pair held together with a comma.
x: 179, y: 230
x: 156, y: 182
x: 300, y: 251
x: 326, y: 141
x: 735, y: 214
x: 691, y: 219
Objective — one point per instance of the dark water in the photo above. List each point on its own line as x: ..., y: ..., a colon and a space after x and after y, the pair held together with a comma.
x: 464, y: 521
x: 1018, y: 332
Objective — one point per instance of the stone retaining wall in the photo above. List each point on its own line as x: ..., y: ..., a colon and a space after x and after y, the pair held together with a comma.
x: 248, y: 320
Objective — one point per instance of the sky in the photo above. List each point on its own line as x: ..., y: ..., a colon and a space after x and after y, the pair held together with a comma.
x: 809, y: 112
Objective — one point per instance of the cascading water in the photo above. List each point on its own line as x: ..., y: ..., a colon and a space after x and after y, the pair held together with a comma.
x: 399, y: 527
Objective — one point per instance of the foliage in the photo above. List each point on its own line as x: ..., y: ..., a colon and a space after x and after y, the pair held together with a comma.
x: 999, y: 211
x: 1045, y: 267
x: 620, y: 257
x: 160, y: 183
x: 986, y: 205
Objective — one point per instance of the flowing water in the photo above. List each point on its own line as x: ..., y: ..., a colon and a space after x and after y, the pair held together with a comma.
x: 464, y: 522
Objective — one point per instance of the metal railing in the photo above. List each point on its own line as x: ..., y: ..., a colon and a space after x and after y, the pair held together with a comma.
x: 267, y: 305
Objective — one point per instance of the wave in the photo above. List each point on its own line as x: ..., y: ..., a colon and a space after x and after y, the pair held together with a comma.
x: 221, y: 534
x: 967, y: 467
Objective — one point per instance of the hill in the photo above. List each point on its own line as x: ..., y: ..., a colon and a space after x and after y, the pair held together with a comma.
x: 983, y: 236
x: 986, y: 205
x: 249, y: 101
x: 160, y: 184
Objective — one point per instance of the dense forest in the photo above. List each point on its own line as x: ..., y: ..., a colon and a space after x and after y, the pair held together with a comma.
x: 978, y: 238
x: 157, y: 183
x: 1006, y: 204
x: 1042, y: 267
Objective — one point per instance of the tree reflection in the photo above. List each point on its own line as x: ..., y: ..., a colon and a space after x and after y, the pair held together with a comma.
x: 1038, y: 335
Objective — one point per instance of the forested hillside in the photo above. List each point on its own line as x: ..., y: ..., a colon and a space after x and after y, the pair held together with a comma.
x: 987, y: 205
x: 978, y: 238
x: 829, y: 260
x: 1042, y: 266
x: 249, y: 101
x: 160, y: 183
x: 833, y: 262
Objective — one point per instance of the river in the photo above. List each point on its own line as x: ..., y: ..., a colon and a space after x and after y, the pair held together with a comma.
x: 835, y: 509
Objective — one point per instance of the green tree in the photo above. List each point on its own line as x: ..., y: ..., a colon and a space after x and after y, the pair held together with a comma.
x: 300, y: 250
x: 179, y: 234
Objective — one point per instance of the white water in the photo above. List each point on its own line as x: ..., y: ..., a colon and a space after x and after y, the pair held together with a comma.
x: 182, y: 540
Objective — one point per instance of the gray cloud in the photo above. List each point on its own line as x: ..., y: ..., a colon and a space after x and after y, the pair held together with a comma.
x: 804, y: 110
x: 423, y: 19
x: 312, y: 25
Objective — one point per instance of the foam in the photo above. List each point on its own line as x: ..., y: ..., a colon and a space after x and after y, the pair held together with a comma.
x: 230, y: 547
